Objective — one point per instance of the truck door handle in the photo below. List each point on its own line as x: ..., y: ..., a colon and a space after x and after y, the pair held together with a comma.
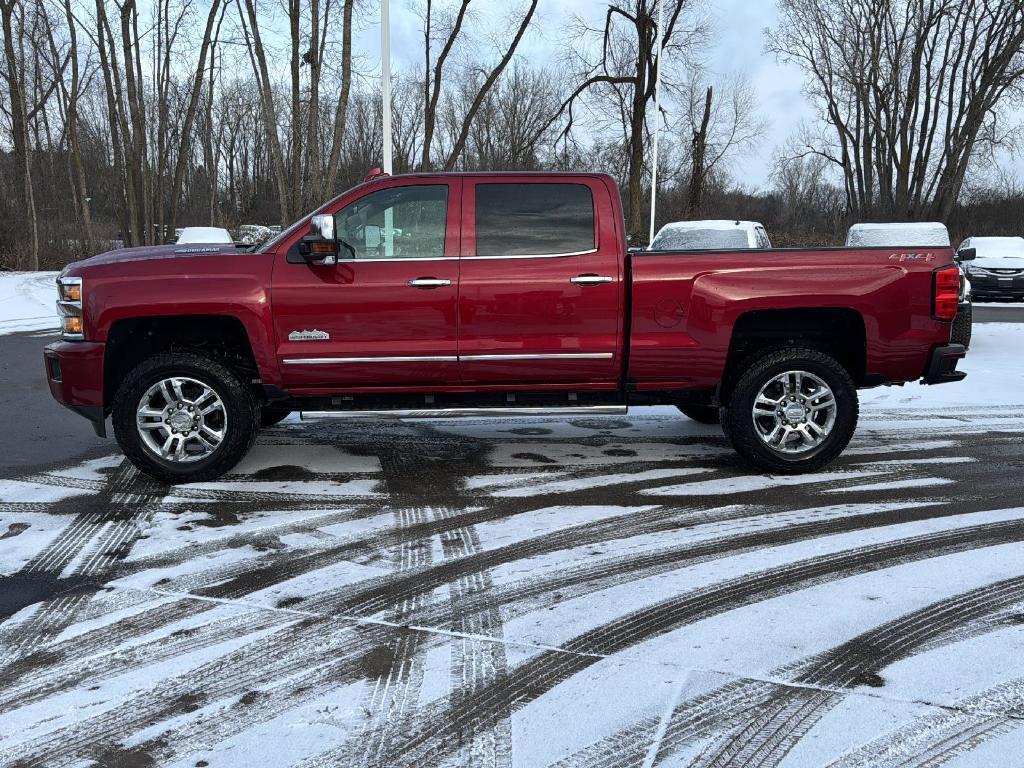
x: 428, y: 282
x: 590, y: 279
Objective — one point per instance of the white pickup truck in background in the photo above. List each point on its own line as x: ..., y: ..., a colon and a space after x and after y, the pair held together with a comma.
x: 710, y: 235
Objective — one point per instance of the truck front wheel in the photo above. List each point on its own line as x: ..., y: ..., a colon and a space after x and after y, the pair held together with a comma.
x: 792, y: 411
x: 184, y: 417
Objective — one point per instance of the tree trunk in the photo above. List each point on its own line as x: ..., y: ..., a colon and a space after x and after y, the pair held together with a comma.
x: 341, y: 109
x: 258, y: 58
x: 185, y: 148
x: 19, y: 130
x: 697, y: 173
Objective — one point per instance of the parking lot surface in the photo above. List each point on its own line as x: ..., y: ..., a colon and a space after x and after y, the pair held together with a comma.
x: 529, y: 592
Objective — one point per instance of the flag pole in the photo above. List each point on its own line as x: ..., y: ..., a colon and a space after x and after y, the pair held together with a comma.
x: 385, y: 65
x: 657, y: 119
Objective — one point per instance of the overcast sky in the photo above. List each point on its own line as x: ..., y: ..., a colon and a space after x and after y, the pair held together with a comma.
x: 737, y: 47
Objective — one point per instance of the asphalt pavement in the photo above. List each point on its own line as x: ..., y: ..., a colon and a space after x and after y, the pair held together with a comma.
x: 998, y: 313
x: 36, y: 431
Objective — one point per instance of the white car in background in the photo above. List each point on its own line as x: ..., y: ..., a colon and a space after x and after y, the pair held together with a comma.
x: 205, y: 236
x: 997, y: 270
x: 908, y: 234
x: 710, y: 235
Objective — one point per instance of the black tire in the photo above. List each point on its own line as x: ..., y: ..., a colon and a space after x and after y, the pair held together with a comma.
x: 963, y: 326
x: 273, y: 414
x: 738, y: 420
x: 243, y: 416
x: 703, y: 414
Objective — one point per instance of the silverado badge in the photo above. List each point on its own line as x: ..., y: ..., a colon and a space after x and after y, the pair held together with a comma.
x: 313, y: 335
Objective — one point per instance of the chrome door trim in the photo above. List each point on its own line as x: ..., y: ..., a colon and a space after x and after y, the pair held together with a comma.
x: 449, y: 413
x: 342, y: 360
x: 532, y: 255
x: 590, y: 279
x: 469, y: 257
x: 542, y: 356
x: 429, y: 282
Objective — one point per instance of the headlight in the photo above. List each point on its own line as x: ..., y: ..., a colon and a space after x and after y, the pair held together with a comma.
x: 69, y: 306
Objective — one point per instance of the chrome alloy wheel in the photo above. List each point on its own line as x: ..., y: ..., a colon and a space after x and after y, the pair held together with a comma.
x: 181, y: 420
x: 794, y: 412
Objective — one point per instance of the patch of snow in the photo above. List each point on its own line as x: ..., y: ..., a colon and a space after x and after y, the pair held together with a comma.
x: 995, y: 376
x: 28, y: 302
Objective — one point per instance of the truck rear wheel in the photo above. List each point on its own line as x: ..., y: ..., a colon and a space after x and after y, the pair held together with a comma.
x: 183, y: 417
x: 792, y: 411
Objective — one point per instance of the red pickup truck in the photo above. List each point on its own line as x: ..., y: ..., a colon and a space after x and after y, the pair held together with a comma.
x: 472, y: 294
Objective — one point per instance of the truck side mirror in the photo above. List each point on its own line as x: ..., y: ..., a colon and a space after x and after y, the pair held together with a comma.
x: 320, y: 246
x: 967, y: 254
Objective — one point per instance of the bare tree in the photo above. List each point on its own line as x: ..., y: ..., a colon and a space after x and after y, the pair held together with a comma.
x: 721, y: 124
x: 911, y: 91
x: 20, y: 27
x: 433, y: 73
x: 213, y: 18
x: 507, y: 131
x: 626, y: 66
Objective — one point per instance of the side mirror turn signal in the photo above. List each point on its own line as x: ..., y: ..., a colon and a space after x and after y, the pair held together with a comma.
x: 320, y: 246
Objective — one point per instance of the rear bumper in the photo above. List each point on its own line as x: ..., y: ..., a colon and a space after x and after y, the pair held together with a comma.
x: 942, y: 364
x: 74, y: 372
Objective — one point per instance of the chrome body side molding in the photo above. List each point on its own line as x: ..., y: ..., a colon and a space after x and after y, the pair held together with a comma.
x: 451, y: 358
x: 456, y: 412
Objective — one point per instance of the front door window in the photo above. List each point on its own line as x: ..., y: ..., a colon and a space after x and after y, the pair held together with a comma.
x: 397, y: 223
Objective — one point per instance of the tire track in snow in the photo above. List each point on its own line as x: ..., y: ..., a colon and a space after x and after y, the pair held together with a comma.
x: 763, y: 720
x: 531, y: 679
x: 938, y: 737
x: 559, y: 498
x: 77, y: 561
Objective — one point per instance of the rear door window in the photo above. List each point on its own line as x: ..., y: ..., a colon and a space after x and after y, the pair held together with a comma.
x: 534, y: 219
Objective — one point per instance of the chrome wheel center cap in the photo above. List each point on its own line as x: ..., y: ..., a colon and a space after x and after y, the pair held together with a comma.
x: 796, y: 412
x: 180, y: 421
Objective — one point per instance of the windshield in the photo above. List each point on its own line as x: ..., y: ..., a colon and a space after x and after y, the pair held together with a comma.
x: 700, y: 240
x: 1002, y: 247
x: 898, y: 235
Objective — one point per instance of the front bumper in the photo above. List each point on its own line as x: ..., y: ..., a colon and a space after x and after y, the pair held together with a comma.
x: 942, y: 365
x: 74, y: 372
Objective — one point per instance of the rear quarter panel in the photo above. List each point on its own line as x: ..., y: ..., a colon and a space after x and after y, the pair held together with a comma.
x: 685, y: 306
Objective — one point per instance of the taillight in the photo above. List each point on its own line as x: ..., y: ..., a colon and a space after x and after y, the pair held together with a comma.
x: 946, y: 293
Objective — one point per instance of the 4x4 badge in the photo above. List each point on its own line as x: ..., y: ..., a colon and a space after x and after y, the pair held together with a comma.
x: 911, y: 257
x: 313, y: 335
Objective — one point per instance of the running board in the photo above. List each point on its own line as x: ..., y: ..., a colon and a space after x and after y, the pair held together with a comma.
x: 455, y: 413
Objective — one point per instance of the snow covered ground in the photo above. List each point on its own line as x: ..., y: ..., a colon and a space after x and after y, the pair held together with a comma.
x: 28, y: 302
x: 612, y: 591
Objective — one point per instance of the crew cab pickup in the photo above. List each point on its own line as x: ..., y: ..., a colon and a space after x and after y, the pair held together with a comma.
x: 473, y: 294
